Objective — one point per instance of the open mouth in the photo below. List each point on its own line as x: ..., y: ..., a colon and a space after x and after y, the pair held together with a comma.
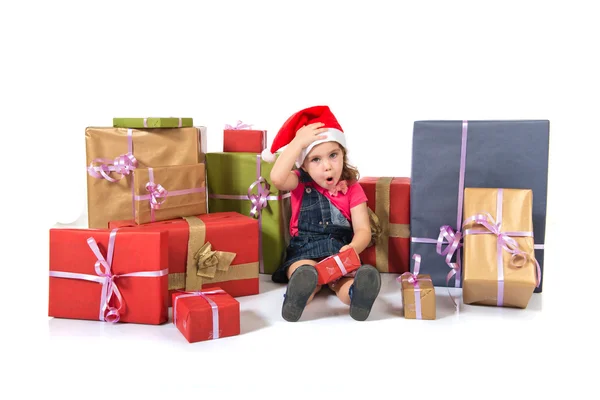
x: 329, y: 180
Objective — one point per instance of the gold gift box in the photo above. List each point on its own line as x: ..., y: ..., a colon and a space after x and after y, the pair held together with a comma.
x: 426, y: 294
x: 489, y: 278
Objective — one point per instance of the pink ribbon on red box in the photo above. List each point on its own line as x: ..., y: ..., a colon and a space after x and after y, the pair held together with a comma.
x: 214, y: 308
x: 239, y: 125
x: 105, y: 277
x: 505, y: 242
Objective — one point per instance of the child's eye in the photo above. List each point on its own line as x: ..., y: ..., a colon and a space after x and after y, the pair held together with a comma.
x: 316, y: 159
x: 333, y: 155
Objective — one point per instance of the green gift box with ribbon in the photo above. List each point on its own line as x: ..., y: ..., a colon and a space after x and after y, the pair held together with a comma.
x: 152, y: 122
x: 241, y: 182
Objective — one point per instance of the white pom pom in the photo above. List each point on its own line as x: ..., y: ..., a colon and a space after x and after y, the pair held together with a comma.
x: 267, y: 156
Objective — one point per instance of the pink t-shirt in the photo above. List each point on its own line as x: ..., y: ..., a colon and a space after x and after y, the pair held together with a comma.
x: 344, y: 202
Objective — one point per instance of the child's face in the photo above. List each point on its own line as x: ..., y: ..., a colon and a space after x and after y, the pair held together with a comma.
x: 324, y: 164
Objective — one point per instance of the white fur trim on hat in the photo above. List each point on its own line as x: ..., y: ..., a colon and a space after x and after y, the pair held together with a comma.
x: 332, y: 135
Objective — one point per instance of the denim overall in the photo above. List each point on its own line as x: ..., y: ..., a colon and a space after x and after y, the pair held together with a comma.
x: 322, y: 230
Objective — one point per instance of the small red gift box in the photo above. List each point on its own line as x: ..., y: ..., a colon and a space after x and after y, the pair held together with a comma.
x: 206, y: 315
x: 105, y: 275
x: 337, y: 265
x: 241, y: 139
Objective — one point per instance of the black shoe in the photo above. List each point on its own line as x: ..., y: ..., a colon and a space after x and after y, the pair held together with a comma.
x: 302, y: 284
x: 364, y: 291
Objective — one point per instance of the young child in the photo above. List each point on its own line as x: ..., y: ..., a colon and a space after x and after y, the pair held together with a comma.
x: 329, y: 212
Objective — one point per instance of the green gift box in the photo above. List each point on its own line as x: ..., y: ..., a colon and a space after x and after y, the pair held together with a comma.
x: 240, y: 182
x: 171, y: 122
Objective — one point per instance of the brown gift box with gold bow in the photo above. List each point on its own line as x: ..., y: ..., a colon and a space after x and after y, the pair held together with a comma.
x: 210, y: 250
x: 389, y: 205
x: 165, y: 193
x: 107, y: 149
x: 499, y: 261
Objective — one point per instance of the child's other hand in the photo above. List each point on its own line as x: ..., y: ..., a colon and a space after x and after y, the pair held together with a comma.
x: 346, y: 247
x: 310, y: 133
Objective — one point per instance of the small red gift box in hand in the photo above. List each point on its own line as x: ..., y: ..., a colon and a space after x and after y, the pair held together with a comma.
x: 337, y: 265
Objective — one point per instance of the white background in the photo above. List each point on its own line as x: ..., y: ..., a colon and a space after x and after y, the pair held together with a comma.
x: 380, y: 66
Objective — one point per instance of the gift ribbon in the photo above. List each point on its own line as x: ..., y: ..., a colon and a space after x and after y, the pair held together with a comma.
x: 180, y: 124
x: 214, y: 307
x: 258, y: 200
x: 157, y: 194
x: 105, y: 277
x: 413, y: 278
x: 239, y: 125
x: 124, y: 164
x: 447, y: 235
x: 340, y: 264
x: 505, y: 242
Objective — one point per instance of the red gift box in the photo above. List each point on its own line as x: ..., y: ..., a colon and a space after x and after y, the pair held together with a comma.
x: 206, y: 315
x: 108, y: 275
x: 244, y: 140
x: 334, y: 267
x: 226, y: 232
x: 389, y: 199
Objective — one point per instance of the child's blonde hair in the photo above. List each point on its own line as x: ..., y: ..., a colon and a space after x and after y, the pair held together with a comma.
x: 349, y: 172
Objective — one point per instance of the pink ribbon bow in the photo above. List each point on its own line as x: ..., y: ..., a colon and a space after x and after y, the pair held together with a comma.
x: 238, y: 126
x: 124, y: 164
x: 259, y: 200
x: 453, y: 241
x: 157, y: 193
x: 342, y: 186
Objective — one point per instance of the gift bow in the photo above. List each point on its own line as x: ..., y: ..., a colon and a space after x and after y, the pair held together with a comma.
x: 259, y: 200
x: 123, y: 165
x: 238, y: 126
x: 342, y: 186
x: 518, y: 257
x: 210, y: 261
x: 158, y: 194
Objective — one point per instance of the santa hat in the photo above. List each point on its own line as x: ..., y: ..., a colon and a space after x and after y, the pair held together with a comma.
x: 308, y: 116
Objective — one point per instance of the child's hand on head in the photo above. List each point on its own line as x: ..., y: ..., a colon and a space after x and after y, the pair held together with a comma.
x: 310, y: 133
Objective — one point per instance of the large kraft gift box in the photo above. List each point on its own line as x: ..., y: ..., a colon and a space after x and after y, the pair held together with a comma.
x: 499, y: 261
x: 165, y: 193
x: 113, y: 153
x: 389, y: 199
x: 208, y: 250
x: 448, y: 156
x: 206, y: 315
x: 240, y: 182
x: 108, y: 275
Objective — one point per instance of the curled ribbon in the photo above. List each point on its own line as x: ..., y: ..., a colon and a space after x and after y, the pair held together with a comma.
x: 518, y: 257
x: 453, y: 240
x: 259, y: 200
x: 157, y: 193
x: 124, y: 164
x: 238, y: 126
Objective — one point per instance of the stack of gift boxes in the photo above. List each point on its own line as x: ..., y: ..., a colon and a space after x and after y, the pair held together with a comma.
x: 171, y: 225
